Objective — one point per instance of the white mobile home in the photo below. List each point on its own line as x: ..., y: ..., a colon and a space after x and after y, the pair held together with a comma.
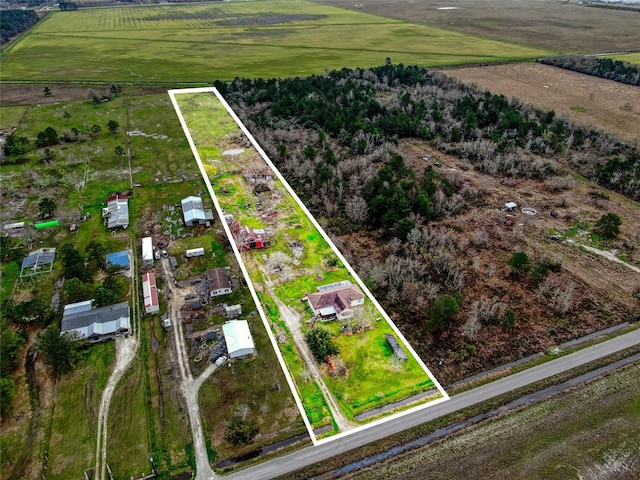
x: 195, y: 252
x: 147, y: 252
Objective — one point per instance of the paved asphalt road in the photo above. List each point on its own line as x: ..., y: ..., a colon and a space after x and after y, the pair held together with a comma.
x: 310, y: 455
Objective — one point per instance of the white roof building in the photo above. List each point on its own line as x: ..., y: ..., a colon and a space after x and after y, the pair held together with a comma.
x: 147, y: 251
x: 238, y: 338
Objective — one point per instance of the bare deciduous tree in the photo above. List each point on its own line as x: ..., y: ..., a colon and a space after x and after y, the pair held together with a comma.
x: 356, y: 210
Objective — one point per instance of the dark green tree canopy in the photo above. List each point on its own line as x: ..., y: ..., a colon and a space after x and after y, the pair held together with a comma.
x: 46, y: 206
x: 608, y: 227
x: 62, y: 351
x: 321, y: 344
x: 113, y: 126
x: 241, y: 431
x: 443, y: 312
x: 520, y: 263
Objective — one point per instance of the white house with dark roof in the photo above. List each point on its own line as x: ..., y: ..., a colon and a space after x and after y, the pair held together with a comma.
x: 194, y: 212
x: 336, y: 301
x: 218, y: 282
x: 96, y: 324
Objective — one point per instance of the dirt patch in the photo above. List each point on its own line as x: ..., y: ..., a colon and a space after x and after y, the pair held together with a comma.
x: 584, y: 99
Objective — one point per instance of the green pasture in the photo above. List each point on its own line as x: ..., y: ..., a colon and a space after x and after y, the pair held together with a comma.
x: 10, y: 116
x: 627, y: 57
x: 373, y: 379
x: 72, y: 445
x: 221, y: 41
x: 127, y: 431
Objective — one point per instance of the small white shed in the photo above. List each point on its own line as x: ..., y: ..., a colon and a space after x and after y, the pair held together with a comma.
x: 147, y: 251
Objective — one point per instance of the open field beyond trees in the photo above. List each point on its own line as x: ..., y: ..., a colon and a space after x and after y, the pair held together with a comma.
x: 627, y: 57
x: 584, y: 99
x: 559, y: 26
x: 221, y: 41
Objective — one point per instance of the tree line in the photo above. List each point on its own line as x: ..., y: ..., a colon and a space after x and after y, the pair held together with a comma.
x: 617, y: 70
x: 14, y: 22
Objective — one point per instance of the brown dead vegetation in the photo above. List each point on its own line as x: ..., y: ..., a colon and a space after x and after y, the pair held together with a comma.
x: 558, y: 26
x: 587, y: 294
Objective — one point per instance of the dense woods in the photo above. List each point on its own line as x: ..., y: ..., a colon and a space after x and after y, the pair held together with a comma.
x: 14, y: 22
x: 336, y: 137
x: 333, y: 132
x: 617, y: 70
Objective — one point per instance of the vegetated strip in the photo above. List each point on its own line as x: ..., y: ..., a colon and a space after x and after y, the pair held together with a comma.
x: 481, y: 411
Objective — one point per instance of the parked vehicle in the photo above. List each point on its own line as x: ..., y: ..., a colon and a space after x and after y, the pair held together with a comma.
x: 220, y: 361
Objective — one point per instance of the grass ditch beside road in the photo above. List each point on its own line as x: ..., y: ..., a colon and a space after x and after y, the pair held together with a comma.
x: 412, y: 434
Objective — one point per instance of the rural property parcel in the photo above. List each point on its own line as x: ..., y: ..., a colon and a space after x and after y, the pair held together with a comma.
x: 365, y: 378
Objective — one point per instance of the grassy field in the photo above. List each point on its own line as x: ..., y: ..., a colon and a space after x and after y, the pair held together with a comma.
x: 627, y: 57
x: 372, y: 380
x: 72, y: 446
x: 219, y: 41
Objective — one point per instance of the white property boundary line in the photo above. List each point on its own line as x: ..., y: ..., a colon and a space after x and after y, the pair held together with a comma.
x: 292, y: 386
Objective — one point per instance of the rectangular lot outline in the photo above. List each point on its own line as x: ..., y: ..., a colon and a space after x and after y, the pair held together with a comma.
x: 212, y: 90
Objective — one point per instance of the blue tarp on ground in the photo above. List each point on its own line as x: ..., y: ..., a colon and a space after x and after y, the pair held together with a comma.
x: 118, y: 258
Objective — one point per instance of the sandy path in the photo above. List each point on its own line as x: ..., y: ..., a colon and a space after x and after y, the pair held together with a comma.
x: 292, y: 320
x: 188, y: 385
x: 610, y: 256
x: 126, y: 349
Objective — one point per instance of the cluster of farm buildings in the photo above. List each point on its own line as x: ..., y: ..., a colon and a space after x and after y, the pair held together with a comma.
x: 336, y: 301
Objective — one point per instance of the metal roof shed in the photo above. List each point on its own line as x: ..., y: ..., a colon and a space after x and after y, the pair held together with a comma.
x: 33, y: 263
x: 238, y: 338
x: 150, y: 293
x: 121, y: 259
